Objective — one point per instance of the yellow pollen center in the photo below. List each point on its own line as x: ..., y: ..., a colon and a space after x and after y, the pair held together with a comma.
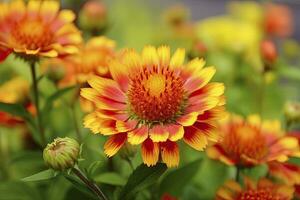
x: 32, y: 34
x: 156, y: 95
x: 156, y: 84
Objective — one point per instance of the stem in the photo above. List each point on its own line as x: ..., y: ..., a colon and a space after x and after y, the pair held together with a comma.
x: 261, y: 96
x: 74, y: 116
x: 36, y: 101
x: 91, y: 185
x: 130, y: 163
x: 237, y: 175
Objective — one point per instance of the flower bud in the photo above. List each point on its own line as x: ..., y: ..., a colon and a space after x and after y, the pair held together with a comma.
x: 93, y: 16
x: 54, y: 69
x: 127, y: 151
x: 292, y: 111
x: 61, y: 154
x: 268, y: 51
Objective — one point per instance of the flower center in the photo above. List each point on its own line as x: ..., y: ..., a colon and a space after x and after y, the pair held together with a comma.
x: 245, y: 140
x: 32, y: 34
x: 265, y: 193
x: 156, y: 95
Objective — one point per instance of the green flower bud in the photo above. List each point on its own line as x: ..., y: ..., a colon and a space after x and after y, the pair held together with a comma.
x: 127, y: 151
x: 62, y: 153
x: 292, y: 111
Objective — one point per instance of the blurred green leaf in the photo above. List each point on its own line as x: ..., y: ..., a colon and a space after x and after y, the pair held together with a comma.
x: 185, y: 174
x: 43, y: 175
x: 290, y: 72
x: 141, y: 178
x: 50, y: 100
x: 18, y: 191
x: 110, y: 178
x: 256, y: 172
x: 93, y: 166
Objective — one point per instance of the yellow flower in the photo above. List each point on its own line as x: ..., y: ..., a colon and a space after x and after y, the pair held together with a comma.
x: 14, y: 91
x: 252, y: 142
x: 155, y: 100
x: 229, y: 34
x: 37, y: 28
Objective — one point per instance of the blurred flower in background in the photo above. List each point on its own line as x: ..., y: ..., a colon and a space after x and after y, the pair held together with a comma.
x: 38, y: 29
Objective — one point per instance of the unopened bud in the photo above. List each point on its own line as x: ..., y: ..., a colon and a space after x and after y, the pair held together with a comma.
x: 268, y: 51
x: 127, y: 151
x: 93, y: 16
x: 62, y: 153
x: 292, y: 111
x: 54, y: 69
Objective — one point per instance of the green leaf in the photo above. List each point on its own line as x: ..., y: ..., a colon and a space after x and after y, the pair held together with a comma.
x: 256, y: 172
x: 18, y: 191
x: 43, y: 175
x: 110, y: 178
x: 290, y: 72
x: 93, y: 167
x: 141, y: 178
x: 185, y: 174
x: 50, y: 100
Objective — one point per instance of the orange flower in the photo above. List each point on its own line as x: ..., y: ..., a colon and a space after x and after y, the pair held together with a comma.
x: 93, y: 58
x: 155, y: 100
x: 167, y: 196
x: 252, y: 142
x: 278, y: 20
x: 264, y: 190
x: 37, y: 28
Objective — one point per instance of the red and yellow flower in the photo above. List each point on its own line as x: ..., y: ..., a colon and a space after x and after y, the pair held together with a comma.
x: 37, y: 28
x: 263, y: 189
x: 249, y: 142
x: 155, y: 100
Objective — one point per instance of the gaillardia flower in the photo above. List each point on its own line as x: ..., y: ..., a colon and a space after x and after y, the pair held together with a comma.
x: 264, y: 189
x: 37, y: 28
x: 252, y: 142
x: 155, y: 100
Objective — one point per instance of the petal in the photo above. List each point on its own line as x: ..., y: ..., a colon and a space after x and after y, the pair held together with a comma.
x: 17, y: 9
x: 49, y: 10
x: 119, y: 73
x: 192, y: 67
x: 150, y: 152
x: 114, y: 144
x: 209, y: 130
x: 202, y: 104
x: 150, y: 56
x: 64, y: 17
x: 158, y: 133
x: 124, y: 126
x: 211, y: 89
x: 188, y: 119
x: 113, y: 114
x: 33, y: 8
x: 170, y: 153
x: 177, y: 59
x: 195, y: 138
x: 132, y: 60
x: 4, y: 53
x: 164, y: 55
x: 175, y: 132
x: 137, y: 136
x: 216, y: 152
x: 213, y: 114
x: 100, y: 125
x: 199, y: 79
x: 107, y: 87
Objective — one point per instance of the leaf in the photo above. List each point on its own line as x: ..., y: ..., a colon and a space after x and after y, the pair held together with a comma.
x: 18, y: 191
x: 185, y: 174
x: 110, y: 178
x: 141, y: 178
x: 93, y: 167
x: 290, y: 72
x: 50, y: 100
x: 43, y: 175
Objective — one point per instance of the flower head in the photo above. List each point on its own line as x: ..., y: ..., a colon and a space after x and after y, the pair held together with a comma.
x: 263, y: 189
x: 251, y: 142
x: 155, y: 100
x: 62, y: 153
x: 37, y: 28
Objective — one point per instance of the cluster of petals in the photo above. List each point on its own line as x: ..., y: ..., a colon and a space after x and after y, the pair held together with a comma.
x: 37, y: 28
x: 154, y: 100
x: 249, y: 142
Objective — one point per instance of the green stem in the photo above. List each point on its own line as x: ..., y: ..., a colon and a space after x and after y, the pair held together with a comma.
x: 261, y: 96
x: 130, y: 163
x: 36, y: 101
x: 91, y: 185
x: 76, y: 126
x: 237, y: 175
